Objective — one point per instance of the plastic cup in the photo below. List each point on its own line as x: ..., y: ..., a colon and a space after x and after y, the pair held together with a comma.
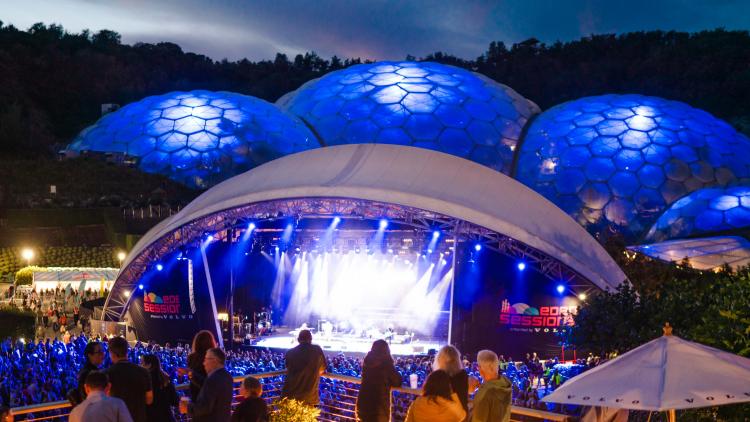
x: 414, y: 381
x: 184, y: 403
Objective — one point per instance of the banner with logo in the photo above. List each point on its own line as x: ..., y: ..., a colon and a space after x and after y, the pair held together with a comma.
x: 510, y: 311
x: 162, y: 310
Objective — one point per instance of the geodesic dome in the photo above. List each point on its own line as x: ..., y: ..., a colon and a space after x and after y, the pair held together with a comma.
x: 704, y: 211
x: 621, y: 160
x: 198, y: 138
x: 427, y: 105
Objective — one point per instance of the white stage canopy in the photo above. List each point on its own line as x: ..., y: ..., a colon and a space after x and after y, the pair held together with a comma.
x: 413, y: 177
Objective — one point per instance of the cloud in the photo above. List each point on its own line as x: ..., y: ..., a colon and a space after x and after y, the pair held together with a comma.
x: 377, y: 29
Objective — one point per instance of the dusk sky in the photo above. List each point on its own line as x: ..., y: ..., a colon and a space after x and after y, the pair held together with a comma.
x: 378, y: 30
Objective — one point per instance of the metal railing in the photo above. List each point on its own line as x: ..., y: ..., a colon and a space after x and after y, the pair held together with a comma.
x: 338, y: 398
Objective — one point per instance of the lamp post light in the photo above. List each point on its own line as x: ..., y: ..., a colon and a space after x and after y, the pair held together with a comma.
x: 121, y: 257
x: 28, y: 255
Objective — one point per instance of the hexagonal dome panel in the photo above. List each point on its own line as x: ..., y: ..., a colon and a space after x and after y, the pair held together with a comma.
x: 616, y: 162
x: 198, y: 138
x: 704, y: 211
x: 427, y: 105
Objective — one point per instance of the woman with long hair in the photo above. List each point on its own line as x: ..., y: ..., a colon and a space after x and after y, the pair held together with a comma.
x: 202, y: 341
x: 379, y: 375
x: 449, y: 360
x: 438, y: 402
x: 165, y: 395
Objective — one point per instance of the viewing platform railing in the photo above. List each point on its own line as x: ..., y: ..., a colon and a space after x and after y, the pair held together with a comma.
x: 338, y: 397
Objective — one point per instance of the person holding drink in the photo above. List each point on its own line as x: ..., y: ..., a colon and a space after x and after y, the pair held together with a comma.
x: 214, y: 401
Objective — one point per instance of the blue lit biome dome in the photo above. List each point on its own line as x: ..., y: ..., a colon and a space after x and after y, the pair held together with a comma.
x: 618, y: 161
x: 424, y: 104
x: 704, y: 211
x: 198, y: 138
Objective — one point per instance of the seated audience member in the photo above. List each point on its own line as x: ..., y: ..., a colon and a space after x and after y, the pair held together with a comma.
x: 252, y: 408
x: 438, y: 402
x: 98, y: 407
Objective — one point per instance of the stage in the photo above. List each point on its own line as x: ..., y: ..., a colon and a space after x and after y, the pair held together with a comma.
x: 283, y: 339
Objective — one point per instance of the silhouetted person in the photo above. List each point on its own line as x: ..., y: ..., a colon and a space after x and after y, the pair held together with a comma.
x: 379, y: 375
x: 129, y: 382
x: 93, y: 355
x: 305, y: 363
x: 165, y: 395
x: 202, y: 341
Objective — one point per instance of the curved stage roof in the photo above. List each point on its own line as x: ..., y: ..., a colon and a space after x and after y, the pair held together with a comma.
x: 406, y: 176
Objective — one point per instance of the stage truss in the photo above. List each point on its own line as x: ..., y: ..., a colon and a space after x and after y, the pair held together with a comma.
x: 192, y: 233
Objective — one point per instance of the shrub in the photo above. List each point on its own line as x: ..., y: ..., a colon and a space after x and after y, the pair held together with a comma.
x: 25, y: 276
x: 290, y: 410
x: 16, y: 323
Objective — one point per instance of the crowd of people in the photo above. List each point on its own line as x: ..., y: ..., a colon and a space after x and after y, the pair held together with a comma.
x: 58, y: 311
x: 53, y: 370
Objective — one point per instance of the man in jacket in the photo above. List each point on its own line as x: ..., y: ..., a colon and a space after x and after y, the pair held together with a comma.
x: 214, y: 401
x: 129, y: 382
x: 492, y: 401
x: 305, y: 363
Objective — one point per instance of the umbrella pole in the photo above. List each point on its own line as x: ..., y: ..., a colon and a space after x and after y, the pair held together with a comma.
x: 672, y: 415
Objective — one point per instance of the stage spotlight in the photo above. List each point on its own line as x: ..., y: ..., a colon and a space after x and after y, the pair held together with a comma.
x: 289, y: 226
x: 336, y: 220
x: 140, y: 286
x: 445, y: 262
x: 251, y: 226
x: 210, y: 238
x: 521, y: 266
x: 276, y: 248
x: 477, y: 247
x: 582, y: 296
x: 560, y: 289
x: 429, y: 250
x: 436, y: 234
x: 390, y: 251
x: 383, y: 223
x: 159, y: 267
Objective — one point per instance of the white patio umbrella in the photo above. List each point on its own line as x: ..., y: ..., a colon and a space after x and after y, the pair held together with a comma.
x: 662, y: 375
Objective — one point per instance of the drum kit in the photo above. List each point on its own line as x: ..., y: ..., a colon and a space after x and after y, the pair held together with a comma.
x: 262, y: 324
